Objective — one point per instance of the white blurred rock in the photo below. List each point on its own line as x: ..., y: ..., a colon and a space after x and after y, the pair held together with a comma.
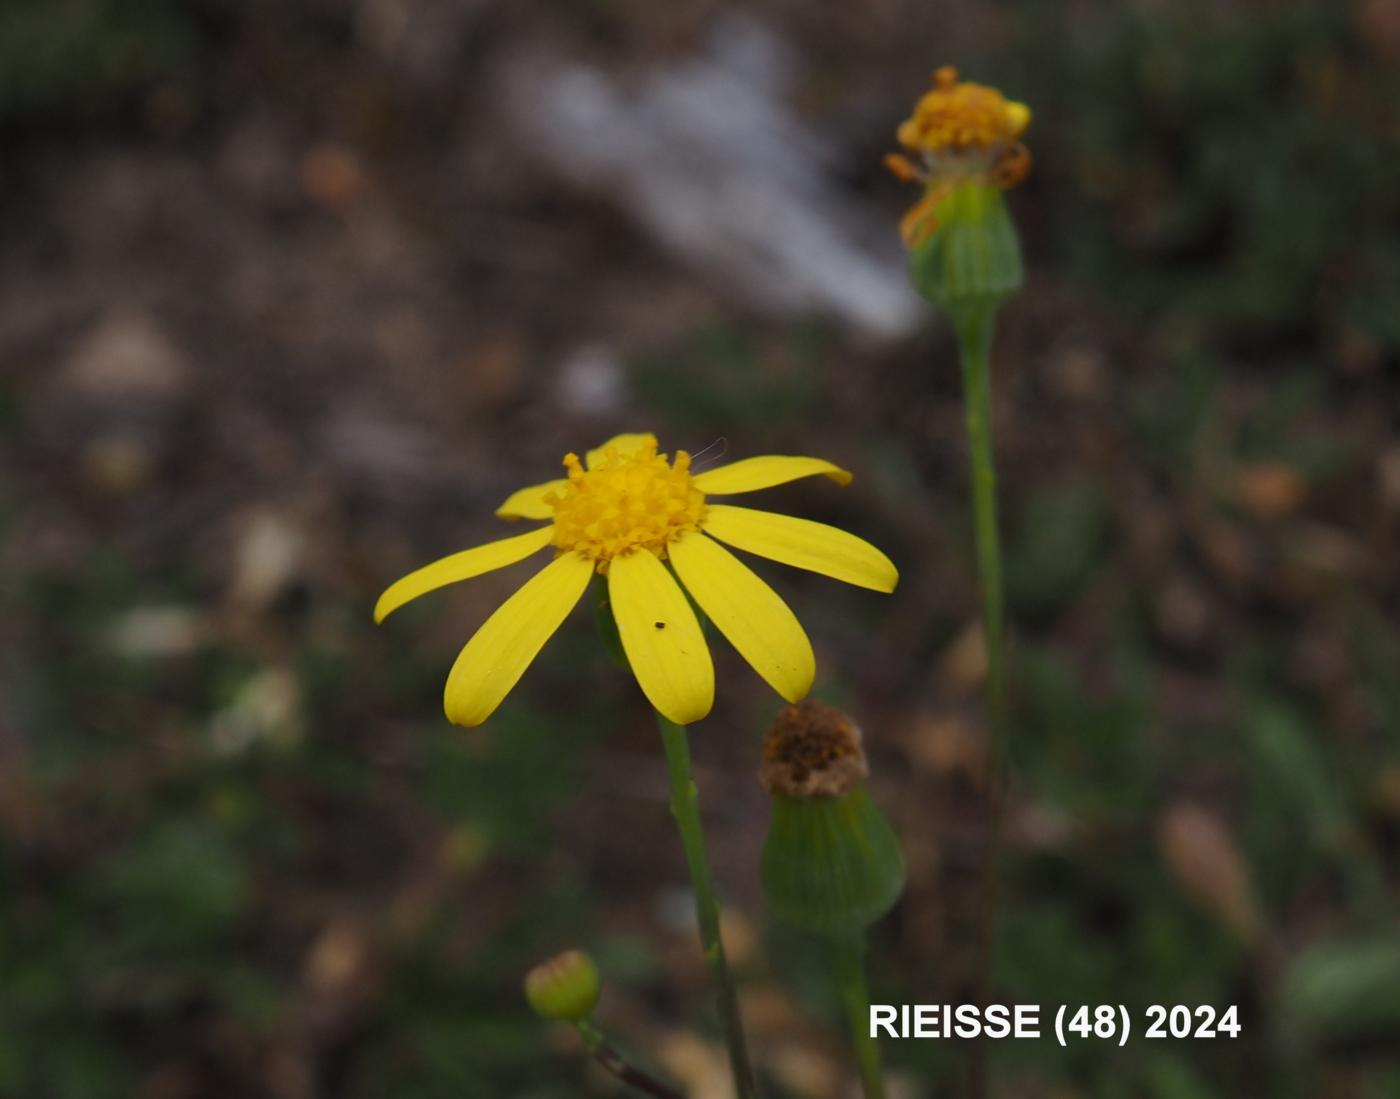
x: 709, y: 159
x: 591, y: 382
x: 160, y: 631
x: 128, y: 355
x: 267, y: 558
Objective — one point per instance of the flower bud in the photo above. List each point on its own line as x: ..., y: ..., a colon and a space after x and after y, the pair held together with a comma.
x: 831, y: 863
x: 565, y: 987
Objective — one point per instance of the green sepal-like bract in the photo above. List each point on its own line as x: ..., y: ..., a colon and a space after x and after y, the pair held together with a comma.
x: 972, y: 259
x: 607, y: 624
x: 831, y: 865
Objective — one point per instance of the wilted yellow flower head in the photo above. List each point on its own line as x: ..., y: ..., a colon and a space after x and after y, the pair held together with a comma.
x: 961, y: 115
x: 652, y: 529
x: 959, y: 131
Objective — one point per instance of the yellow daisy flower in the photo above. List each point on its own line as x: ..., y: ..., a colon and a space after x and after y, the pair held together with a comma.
x: 620, y: 513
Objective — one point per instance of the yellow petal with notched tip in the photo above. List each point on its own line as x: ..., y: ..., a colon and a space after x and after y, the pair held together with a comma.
x: 752, y: 474
x: 626, y: 445
x: 528, y: 503
x: 460, y: 566
x: 661, y: 637
x: 498, y: 654
x: 748, y: 612
x: 803, y: 544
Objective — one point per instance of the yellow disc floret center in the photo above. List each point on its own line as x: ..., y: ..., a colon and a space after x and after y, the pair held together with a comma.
x: 625, y: 502
x: 959, y: 116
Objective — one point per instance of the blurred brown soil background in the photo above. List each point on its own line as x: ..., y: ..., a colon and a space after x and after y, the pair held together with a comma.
x: 292, y: 295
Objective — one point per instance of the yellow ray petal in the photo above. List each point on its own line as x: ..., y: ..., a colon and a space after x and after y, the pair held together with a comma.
x: 752, y: 474
x: 748, y: 612
x: 528, y: 503
x: 661, y: 637
x: 498, y: 654
x: 626, y: 444
x: 460, y: 566
x: 803, y: 544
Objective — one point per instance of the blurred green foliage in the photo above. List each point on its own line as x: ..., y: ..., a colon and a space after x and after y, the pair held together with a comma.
x: 1232, y: 166
x: 722, y: 376
x: 58, y: 56
x: 1342, y: 993
x: 171, y: 884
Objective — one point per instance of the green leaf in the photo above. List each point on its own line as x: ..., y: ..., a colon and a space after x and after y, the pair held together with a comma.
x: 1345, y: 994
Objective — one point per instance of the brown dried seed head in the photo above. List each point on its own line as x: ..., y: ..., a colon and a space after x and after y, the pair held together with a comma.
x: 812, y: 750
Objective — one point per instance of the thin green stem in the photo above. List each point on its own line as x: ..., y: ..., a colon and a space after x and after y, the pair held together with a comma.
x: 848, y: 960
x: 974, y: 339
x: 607, y: 1056
x: 974, y: 326
x: 685, y: 807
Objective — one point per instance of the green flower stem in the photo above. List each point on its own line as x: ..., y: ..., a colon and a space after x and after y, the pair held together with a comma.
x: 618, y: 1065
x: 848, y: 960
x: 974, y: 325
x: 685, y: 807
x: 974, y: 329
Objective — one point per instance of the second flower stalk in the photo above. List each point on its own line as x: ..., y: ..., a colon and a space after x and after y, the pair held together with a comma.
x: 965, y: 258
